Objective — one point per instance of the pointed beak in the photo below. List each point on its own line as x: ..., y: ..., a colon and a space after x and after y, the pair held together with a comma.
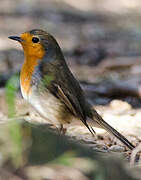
x: 15, y: 38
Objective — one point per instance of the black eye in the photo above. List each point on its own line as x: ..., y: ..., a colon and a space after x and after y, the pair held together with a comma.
x: 35, y: 40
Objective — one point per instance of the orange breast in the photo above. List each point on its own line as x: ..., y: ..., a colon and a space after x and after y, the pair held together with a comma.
x: 26, y: 75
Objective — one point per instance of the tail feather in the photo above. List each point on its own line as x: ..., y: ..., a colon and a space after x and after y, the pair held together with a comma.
x: 98, y: 119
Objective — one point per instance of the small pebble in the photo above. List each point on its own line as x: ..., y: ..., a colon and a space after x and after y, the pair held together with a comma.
x: 116, y: 148
x: 117, y: 104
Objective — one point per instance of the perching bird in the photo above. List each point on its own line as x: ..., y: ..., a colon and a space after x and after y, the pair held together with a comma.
x: 48, y: 84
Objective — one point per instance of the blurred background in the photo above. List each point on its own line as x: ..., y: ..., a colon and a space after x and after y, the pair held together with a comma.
x: 101, y: 42
x: 95, y: 36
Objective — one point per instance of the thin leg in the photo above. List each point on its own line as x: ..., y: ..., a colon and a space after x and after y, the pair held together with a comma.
x: 62, y: 130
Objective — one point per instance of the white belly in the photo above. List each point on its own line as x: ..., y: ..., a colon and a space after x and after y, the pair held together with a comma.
x: 50, y: 107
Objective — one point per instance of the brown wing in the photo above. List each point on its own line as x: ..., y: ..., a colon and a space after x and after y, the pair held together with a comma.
x: 65, y: 100
x: 72, y: 107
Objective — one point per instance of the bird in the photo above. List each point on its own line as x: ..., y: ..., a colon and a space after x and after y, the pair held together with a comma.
x: 50, y: 87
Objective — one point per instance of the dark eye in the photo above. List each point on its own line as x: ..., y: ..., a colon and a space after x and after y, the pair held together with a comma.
x: 35, y: 40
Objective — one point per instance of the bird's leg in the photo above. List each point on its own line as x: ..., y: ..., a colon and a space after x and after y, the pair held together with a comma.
x: 62, y: 130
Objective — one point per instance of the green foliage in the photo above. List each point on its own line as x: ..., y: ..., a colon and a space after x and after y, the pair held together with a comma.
x: 11, y: 89
x: 66, y: 159
x: 14, y: 127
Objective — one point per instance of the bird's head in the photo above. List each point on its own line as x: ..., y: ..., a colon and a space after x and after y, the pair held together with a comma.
x: 37, y: 43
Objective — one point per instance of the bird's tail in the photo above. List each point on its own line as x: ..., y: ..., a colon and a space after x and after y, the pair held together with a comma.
x: 98, y: 119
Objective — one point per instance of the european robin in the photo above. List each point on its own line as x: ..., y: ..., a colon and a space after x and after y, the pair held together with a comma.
x: 48, y: 84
